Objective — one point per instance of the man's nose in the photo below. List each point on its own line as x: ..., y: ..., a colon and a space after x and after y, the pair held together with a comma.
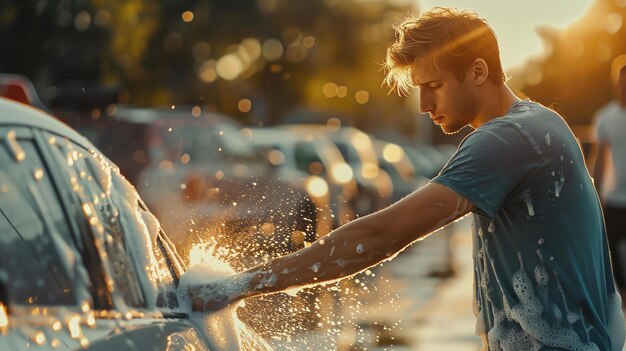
x: 425, y: 104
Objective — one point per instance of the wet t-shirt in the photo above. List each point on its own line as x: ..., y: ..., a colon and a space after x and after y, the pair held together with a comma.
x: 543, y: 278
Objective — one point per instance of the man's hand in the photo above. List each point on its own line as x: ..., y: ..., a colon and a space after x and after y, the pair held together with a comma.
x: 217, y: 294
x: 208, y: 297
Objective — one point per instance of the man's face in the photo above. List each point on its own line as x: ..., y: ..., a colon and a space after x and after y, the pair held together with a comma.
x: 450, y: 103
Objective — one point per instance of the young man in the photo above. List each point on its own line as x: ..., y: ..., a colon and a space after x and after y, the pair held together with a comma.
x: 609, y: 171
x: 543, y: 279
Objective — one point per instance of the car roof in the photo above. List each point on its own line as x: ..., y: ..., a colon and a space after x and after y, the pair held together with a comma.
x: 150, y: 115
x: 17, y: 114
x: 269, y: 135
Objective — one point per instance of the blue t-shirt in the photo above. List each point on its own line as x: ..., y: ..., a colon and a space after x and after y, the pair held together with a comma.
x: 543, y: 278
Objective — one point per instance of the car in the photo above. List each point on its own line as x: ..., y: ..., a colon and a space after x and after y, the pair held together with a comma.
x: 356, y: 148
x: 428, y: 160
x: 83, y: 262
x: 202, y: 177
x: 311, y: 159
x: 393, y: 159
x: 19, y: 88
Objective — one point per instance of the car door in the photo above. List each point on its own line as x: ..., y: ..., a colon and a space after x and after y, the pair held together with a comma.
x: 44, y: 283
x: 139, y: 309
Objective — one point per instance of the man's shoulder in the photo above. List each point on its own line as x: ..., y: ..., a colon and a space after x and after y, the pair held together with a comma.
x: 609, y: 112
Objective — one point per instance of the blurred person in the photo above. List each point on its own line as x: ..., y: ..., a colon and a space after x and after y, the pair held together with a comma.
x: 543, y: 279
x: 609, y: 171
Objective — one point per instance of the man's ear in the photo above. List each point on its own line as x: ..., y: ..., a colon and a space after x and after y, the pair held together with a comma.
x: 479, y: 71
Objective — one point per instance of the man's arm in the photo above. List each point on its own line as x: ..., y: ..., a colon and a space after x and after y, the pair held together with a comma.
x: 598, y: 163
x: 345, y: 251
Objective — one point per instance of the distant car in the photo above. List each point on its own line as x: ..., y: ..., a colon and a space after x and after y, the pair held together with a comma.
x: 355, y: 146
x: 83, y: 262
x: 204, y: 179
x: 311, y: 158
x: 19, y: 88
x: 393, y: 159
x: 428, y: 160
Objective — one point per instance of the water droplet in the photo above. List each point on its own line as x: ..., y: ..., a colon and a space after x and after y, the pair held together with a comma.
x: 38, y: 174
x: 359, y: 249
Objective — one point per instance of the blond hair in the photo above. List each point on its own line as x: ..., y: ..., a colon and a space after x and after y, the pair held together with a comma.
x: 450, y: 38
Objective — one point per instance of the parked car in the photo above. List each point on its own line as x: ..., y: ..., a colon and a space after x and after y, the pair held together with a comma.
x: 19, y: 88
x: 204, y: 179
x: 428, y: 160
x: 393, y: 159
x: 83, y: 262
x: 311, y: 158
x: 374, y: 184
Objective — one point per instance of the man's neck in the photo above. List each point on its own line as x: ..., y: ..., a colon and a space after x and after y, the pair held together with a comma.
x: 496, y: 101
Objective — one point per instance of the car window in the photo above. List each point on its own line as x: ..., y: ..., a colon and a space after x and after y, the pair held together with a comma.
x: 37, y: 253
x: 99, y: 192
x: 125, y: 231
x: 306, y: 157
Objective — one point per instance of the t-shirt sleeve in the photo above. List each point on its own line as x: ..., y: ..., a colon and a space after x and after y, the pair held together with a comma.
x: 487, y: 167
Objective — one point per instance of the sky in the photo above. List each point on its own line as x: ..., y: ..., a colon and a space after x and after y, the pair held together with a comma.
x: 515, y: 21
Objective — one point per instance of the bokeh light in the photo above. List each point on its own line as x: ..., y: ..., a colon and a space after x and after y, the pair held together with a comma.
x: 329, y: 90
x: 229, y: 67
x: 333, y: 124
x: 244, y: 105
x: 393, y: 153
x: 272, y: 49
x: 208, y: 71
x: 196, y: 111
x: 362, y: 97
x: 342, y: 92
x: 308, y: 41
x: 187, y: 16
x: 342, y: 173
x: 316, y: 186
x: 185, y: 158
x: 252, y: 47
x: 276, y: 157
x: 82, y: 21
